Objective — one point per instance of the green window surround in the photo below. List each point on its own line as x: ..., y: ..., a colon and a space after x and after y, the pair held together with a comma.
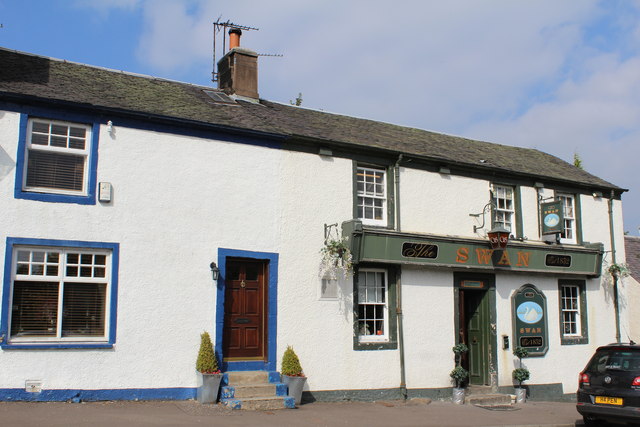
x: 572, y: 306
x: 364, y: 175
x: 366, y: 317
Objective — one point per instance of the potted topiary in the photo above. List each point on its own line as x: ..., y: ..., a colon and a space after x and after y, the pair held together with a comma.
x: 520, y: 374
x: 209, y: 375
x: 459, y: 374
x: 292, y: 374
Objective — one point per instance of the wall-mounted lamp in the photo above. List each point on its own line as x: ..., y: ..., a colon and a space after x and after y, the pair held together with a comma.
x: 538, y: 185
x: 597, y: 194
x: 325, y: 152
x: 498, y: 237
x: 215, y: 271
x: 444, y: 170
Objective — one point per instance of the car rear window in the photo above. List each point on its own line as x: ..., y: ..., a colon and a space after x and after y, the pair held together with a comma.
x: 615, y: 360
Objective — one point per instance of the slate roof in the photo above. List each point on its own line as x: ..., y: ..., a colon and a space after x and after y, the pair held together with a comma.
x: 29, y: 78
x: 632, y: 251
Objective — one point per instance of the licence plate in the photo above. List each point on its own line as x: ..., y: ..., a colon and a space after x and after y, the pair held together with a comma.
x: 609, y: 400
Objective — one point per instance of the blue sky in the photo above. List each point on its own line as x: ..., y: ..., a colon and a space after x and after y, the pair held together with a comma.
x: 559, y: 76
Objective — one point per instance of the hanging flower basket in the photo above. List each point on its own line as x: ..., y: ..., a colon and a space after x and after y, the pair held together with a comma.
x: 336, y: 256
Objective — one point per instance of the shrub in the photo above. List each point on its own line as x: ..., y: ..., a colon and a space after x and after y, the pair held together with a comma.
x: 207, y: 362
x: 291, y: 363
x: 459, y: 374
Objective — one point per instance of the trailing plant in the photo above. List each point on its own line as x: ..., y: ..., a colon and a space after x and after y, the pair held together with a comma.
x: 207, y: 363
x: 336, y: 255
x: 520, y: 374
x: 291, y: 363
x: 618, y: 270
x: 459, y: 374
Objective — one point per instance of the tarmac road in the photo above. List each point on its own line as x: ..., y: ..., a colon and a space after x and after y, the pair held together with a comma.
x: 418, y: 412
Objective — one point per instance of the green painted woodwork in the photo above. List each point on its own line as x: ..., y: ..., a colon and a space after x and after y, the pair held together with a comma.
x: 370, y: 244
x: 584, y: 328
x: 477, y: 314
x: 391, y: 189
x: 392, y: 279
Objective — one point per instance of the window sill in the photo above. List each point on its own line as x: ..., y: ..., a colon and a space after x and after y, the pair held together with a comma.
x: 373, y: 345
x: 573, y: 340
x: 56, y: 198
x: 57, y: 345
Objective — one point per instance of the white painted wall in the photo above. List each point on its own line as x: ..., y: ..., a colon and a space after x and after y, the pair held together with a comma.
x: 177, y: 199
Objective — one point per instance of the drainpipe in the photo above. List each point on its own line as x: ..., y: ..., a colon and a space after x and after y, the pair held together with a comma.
x: 616, y: 305
x: 403, y: 382
x: 396, y: 174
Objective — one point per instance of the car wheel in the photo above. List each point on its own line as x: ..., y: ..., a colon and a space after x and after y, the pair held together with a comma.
x: 590, y: 421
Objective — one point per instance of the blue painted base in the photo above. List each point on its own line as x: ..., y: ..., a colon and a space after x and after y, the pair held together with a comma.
x: 19, y: 394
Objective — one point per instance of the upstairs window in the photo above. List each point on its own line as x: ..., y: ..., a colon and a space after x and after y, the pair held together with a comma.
x: 371, y: 205
x: 56, y: 155
x: 568, y: 234
x: 57, y: 161
x: 503, y: 200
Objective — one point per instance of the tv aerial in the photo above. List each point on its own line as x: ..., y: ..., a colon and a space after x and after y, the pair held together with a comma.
x: 224, y: 27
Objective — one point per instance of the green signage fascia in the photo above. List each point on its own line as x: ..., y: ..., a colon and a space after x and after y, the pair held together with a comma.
x: 388, y: 246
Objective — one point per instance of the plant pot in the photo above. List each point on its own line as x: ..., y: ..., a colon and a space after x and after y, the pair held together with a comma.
x: 458, y: 396
x: 208, y: 387
x: 521, y: 395
x: 295, y: 385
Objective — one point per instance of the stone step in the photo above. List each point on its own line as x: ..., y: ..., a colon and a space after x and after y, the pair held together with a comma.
x: 260, y: 403
x: 473, y: 390
x: 254, y: 390
x: 488, y: 399
x: 248, y: 377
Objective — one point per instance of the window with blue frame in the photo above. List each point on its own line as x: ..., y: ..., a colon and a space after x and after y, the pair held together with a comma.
x: 59, y: 293
x: 57, y: 160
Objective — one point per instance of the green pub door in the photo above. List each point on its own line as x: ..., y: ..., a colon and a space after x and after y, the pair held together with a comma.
x: 474, y: 326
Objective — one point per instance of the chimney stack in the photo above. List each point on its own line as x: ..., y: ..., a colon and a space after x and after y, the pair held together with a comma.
x: 238, y: 69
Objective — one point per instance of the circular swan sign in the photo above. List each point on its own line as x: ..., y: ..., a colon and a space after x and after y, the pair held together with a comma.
x: 551, y: 220
x: 529, y: 312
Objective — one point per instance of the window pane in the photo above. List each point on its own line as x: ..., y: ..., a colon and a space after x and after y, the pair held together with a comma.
x: 40, y: 127
x: 34, y: 309
x: 59, y: 129
x: 83, y: 309
x: 54, y: 170
x: 100, y: 259
x: 40, y: 139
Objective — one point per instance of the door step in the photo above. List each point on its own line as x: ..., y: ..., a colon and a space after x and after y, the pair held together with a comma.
x: 256, y: 390
x: 488, y: 399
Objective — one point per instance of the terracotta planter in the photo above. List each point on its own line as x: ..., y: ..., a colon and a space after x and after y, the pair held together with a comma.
x: 295, y: 385
x: 208, y: 387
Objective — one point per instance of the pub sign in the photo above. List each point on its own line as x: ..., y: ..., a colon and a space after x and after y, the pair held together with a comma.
x: 552, y: 217
x: 529, y: 307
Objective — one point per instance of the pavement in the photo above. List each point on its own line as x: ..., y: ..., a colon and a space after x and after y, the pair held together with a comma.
x: 416, y: 412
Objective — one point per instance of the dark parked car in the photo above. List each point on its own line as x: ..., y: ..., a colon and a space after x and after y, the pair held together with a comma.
x: 609, y: 386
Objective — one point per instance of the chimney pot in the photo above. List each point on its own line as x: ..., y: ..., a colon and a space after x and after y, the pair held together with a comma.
x: 234, y: 37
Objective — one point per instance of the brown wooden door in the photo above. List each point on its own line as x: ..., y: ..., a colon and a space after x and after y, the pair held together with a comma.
x: 244, y: 310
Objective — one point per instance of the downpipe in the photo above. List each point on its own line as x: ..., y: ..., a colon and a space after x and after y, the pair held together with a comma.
x: 403, y: 382
x: 616, y: 304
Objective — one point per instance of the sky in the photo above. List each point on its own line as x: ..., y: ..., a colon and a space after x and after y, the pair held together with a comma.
x: 559, y: 76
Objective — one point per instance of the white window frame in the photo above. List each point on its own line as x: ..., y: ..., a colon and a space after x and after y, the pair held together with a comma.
x: 85, y: 153
x: 570, y: 306
x: 368, y: 198
x: 569, y: 213
x: 504, y: 207
x: 384, y: 337
x: 61, y: 278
